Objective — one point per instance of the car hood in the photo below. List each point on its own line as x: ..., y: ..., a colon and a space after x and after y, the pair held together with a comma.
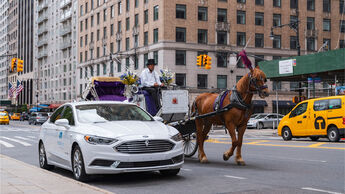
x: 118, y: 129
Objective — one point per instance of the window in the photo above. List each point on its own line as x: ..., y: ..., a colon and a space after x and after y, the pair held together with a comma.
x: 311, y: 44
x: 98, y: 35
x: 326, y: 25
x: 277, y: 41
x: 276, y: 19
x: 180, y: 57
x: 92, y: 4
x: 105, y: 15
x: 104, y: 68
x: 327, y: 6
x: 259, y: 2
x: 320, y: 105
x: 112, y: 11
x: 111, y: 47
x: 222, y: 37
x: 111, y: 68
x: 81, y: 57
x: 127, y: 44
x: 98, y: 18
x: 155, y: 35
x: 81, y: 41
x: 91, y: 21
x: 81, y: 26
x: 202, y: 81
x: 146, y: 16
x: 276, y: 3
x: 293, y: 4
x: 81, y: 10
x: 104, y: 32
x: 146, y: 38
x: 155, y: 12
x: 86, y: 23
x: 222, y: 59
x: 180, y: 11
x: 310, y: 23
x: 136, y: 20
x: 136, y: 41
x: 136, y: 63
x: 239, y: 62
x: 118, y: 45
x: 259, y: 40
x: 202, y: 13
x: 341, y: 43
x: 127, y: 5
x: 119, y: 68
x: 98, y: 53
x: 238, y: 78
x: 341, y: 6
x: 136, y: 3
x: 276, y: 85
x: 311, y: 5
x: 155, y: 57
x: 293, y: 19
x: 86, y: 72
x: 85, y: 57
x: 299, y: 110
x: 202, y: 36
x: 222, y: 81
x: 180, y: 79
x: 334, y: 104
x: 56, y: 115
x: 327, y: 44
x: 241, y: 38
x: 91, y: 71
x: 259, y: 19
x: 81, y: 73
x: 146, y: 57
x: 119, y: 8
x: 294, y: 86
x: 98, y: 69
x: 241, y: 17
x: 119, y: 27
x: 241, y: 1
x: 222, y: 15
x: 342, y: 26
x: 127, y: 24
x: 293, y: 42
x: 112, y: 30
x: 127, y: 63
x: 180, y: 34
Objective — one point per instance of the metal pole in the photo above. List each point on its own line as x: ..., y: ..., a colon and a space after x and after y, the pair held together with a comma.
x: 277, y: 107
x: 335, y: 83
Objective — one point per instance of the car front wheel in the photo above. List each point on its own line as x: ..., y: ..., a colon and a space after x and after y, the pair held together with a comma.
x: 78, y: 165
x: 43, y: 158
x: 172, y: 172
x: 286, y: 134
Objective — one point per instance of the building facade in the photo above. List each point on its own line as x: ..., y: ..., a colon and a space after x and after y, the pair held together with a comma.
x: 175, y: 32
x: 3, y: 50
x: 55, y: 45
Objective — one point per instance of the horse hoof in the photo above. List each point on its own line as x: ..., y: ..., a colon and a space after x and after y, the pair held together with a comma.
x: 204, y: 160
x: 241, y: 163
x: 225, y: 158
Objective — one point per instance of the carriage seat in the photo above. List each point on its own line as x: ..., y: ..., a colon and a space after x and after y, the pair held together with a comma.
x: 150, y: 104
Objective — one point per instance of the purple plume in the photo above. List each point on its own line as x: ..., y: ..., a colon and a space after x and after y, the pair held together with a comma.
x: 245, y: 59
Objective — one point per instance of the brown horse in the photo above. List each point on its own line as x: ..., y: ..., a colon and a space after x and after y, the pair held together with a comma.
x: 235, y: 118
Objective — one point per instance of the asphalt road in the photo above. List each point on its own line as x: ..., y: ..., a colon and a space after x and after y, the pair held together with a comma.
x: 273, y: 166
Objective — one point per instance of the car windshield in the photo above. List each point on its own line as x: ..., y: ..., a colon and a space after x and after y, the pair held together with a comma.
x: 257, y: 116
x: 3, y: 114
x: 98, y: 113
x: 43, y: 114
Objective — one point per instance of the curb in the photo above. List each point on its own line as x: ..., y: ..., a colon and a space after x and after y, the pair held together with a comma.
x: 57, y: 175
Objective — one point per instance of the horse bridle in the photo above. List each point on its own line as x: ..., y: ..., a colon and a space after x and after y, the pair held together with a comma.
x: 253, y: 82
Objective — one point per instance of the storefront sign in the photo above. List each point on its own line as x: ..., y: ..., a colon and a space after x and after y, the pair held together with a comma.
x: 285, y: 67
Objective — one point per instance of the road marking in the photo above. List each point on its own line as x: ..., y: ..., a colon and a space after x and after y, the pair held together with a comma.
x: 6, y: 144
x: 234, y: 177
x: 186, y: 169
x: 256, y: 142
x: 31, y: 137
x: 319, y: 190
x: 297, y: 159
x: 315, y: 145
x: 23, y: 138
x: 18, y: 141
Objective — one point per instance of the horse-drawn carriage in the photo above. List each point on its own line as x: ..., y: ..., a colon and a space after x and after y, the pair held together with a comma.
x: 174, y: 105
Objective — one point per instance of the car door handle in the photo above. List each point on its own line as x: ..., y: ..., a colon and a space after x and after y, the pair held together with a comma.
x: 299, y: 122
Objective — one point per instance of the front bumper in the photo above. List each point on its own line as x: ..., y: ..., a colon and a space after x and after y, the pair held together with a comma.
x: 4, y: 121
x: 251, y: 125
x: 104, y: 159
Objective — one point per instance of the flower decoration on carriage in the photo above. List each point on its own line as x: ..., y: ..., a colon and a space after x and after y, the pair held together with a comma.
x: 167, y: 77
x: 130, y: 78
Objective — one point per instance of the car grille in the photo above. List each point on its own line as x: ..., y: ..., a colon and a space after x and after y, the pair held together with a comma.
x: 174, y: 160
x: 145, y: 146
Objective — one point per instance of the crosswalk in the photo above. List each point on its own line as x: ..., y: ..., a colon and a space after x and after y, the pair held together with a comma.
x: 11, y: 142
x: 8, y: 129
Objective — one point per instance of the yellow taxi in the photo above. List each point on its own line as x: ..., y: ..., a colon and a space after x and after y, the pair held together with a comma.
x: 15, y: 116
x: 4, y: 119
x: 315, y: 118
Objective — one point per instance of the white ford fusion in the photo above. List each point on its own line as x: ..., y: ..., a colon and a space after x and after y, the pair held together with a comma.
x: 108, y: 138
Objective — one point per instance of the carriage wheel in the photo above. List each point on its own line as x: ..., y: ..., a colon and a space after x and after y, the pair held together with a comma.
x: 190, y: 145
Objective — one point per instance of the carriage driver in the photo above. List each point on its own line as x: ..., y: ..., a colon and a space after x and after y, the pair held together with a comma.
x: 150, y: 81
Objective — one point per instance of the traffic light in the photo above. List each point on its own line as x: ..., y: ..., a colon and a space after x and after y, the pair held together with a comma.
x: 20, y: 66
x: 199, y: 60
x: 13, y: 64
x: 208, y: 62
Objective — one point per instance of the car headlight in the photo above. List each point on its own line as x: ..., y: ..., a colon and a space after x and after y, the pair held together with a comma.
x: 177, y: 137
x: 99, y: 140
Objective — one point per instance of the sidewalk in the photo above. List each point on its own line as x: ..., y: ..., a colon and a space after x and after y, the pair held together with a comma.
x: 19, y: 177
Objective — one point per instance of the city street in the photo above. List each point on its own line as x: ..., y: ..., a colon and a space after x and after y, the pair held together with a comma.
x: 273, y: 165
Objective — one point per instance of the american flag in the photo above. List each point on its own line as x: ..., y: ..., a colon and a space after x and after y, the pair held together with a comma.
x: 19, y: 87
x: 10, y: 89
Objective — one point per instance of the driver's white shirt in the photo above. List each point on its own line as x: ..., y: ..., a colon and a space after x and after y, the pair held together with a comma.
x: 148, y: 78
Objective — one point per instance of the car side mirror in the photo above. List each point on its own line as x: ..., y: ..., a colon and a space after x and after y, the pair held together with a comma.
x: 62, y: 123
x: 156, y: 118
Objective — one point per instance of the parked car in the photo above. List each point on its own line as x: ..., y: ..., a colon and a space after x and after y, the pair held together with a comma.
x: 264, y: 120
x: 4, y: 118
x: 24, y: 116
x: 15, y: 116
x: 38, y: 118
x: 108, y: 138
x: 315, y: 118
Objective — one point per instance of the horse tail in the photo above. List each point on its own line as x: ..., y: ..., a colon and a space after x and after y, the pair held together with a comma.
x: 194, y: 110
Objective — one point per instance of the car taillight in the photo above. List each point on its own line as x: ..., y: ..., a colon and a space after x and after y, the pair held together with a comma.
x: 37, y: 117
x: 343, y: 120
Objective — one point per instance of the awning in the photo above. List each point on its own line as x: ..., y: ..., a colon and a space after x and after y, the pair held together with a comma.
x: 259, y: 103
x: 284, y: 103
x: 43, y: 105
x: 54, y: 106
x: 35, y: 109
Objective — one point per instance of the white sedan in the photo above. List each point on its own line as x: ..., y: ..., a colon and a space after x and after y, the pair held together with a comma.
x: 108, y: 138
